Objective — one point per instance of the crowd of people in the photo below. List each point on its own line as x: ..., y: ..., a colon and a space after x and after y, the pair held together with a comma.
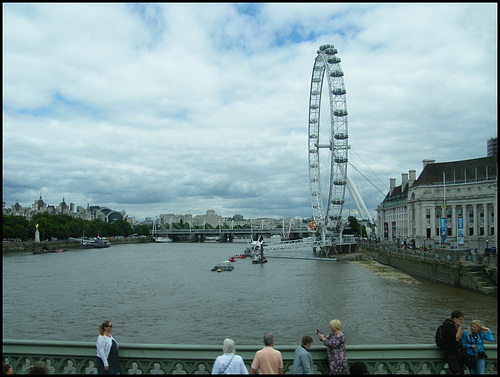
x: 461, y: 348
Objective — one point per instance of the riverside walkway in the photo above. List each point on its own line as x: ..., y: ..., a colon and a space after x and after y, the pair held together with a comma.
x: 79, y: 357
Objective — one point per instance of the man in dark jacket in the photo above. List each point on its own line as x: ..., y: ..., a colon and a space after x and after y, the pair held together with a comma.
x: 451, y: 333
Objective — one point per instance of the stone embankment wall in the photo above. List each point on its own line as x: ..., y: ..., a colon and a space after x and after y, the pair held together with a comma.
x: 454, y: 272
x: 31, y: 246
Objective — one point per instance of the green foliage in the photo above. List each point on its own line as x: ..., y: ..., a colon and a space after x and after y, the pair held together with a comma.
x: 61, y: 227
x: 15, y: 227
x: 142, y: 230
x: 354, y: 227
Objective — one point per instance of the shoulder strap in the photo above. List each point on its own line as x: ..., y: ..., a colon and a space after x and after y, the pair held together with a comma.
x: 475, y: 341
x: 227, y: 365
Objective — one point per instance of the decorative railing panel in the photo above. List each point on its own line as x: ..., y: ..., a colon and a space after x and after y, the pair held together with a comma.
x: 79, y: 357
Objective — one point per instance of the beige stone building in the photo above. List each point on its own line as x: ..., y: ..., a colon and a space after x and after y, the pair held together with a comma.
x: 453, y: 204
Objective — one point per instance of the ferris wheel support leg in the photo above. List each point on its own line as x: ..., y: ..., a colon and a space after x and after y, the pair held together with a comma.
x: 358, y: 201
x: 353, y: 195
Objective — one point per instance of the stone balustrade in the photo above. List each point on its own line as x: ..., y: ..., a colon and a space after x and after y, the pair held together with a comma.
x: 79, y: 357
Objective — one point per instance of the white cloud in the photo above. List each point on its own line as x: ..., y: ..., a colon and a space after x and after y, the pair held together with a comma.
x: 158, y: 107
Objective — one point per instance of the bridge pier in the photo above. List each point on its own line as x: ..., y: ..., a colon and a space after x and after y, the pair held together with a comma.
x: 226, y: 237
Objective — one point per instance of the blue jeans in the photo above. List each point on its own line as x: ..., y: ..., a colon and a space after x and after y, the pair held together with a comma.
x: 480, y: 367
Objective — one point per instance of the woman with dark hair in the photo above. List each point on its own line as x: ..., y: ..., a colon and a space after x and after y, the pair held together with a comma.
x: 7, y: 369
x: 39, y: 368
x: 108, y: 361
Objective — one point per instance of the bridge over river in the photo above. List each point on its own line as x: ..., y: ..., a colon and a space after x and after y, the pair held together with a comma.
x: 300, y: 238
x: 243, y: 233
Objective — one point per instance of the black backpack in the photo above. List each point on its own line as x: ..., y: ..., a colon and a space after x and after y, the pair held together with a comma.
x: 440, y: 333
x: 439, y: 336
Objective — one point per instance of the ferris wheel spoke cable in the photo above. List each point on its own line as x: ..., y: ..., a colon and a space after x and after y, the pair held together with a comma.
x: 367, y: 166
x: 366, y: 178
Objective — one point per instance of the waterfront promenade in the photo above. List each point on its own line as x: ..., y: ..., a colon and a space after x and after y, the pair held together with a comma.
x: 79, y: 357
x: 457, y: 268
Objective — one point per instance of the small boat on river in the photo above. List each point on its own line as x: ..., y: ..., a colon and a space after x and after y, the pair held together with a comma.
x: 45, y: 250
x: 94, y: 243
x: 160, y: 239
x: 254, y: 247
x: 222, y: 267
x: 259, y: 256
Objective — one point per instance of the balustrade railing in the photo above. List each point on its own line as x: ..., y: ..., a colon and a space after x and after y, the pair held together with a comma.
x: 79, y: 357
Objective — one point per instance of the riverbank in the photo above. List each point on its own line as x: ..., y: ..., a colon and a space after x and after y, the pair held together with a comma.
x: 65, y: 245
x: 376, y: 268
x: 456, y: 272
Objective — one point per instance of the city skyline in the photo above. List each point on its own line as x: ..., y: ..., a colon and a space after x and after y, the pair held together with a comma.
x: 165, y: 108
x: 64, y: 207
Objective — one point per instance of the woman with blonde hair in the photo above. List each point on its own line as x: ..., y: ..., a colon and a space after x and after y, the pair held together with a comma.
x: 335, y: 344
x: 108, y: 361
x: 229, y: 363
x: 473, y: 344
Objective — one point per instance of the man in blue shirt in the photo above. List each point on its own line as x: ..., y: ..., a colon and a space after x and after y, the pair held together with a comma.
x: 303, y: 361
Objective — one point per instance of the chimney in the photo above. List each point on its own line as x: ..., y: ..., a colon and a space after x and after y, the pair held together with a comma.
x: 392, y: 182
x: 412, y: 177
x: 427, y: 162
x: 404, y: 181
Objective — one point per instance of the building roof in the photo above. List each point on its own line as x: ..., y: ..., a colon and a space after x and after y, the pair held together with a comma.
x: 478, y: 169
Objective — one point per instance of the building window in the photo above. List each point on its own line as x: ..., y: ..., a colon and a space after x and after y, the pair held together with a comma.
x: 471, y: 231
x: 428, y: 232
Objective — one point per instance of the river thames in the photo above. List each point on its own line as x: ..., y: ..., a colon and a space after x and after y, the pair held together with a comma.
x: 165, y: 293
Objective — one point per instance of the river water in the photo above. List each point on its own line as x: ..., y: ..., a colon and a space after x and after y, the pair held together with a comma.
x: 166, y: 294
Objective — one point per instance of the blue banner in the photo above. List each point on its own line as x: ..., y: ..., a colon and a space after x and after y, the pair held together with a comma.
x: 442, y: 223
x: 460, y: 231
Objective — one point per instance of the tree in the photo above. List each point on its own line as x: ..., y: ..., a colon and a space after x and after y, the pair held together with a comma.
x: 15, y: 227
x: 354, y: 227
x: 61, y: 227
x: 142, y: 230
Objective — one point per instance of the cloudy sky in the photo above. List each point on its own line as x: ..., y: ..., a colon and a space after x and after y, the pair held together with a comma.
x: 161, y: 108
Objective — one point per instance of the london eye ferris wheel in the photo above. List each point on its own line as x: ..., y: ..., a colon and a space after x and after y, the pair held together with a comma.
x: 328, y: 141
